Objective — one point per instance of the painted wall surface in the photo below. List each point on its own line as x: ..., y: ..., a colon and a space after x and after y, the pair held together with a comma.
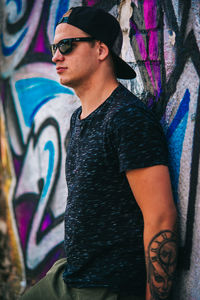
x: 162, y: 43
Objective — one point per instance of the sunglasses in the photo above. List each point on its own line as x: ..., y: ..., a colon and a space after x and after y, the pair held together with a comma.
x: 65, y: 46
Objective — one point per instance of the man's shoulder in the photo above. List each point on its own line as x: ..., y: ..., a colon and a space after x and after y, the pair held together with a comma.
x: 126, y: 105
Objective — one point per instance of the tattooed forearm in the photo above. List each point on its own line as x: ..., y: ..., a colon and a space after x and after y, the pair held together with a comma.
x: 161, y: 264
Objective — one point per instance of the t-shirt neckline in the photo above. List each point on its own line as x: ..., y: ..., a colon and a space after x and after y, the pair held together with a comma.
x: 94, y: 112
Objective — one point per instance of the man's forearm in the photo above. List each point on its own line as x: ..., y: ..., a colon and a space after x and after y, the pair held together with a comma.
x: 152, y: 190
x: 161, y: 258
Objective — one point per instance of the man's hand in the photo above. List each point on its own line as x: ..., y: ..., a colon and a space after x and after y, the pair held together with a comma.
x: 152, y: 190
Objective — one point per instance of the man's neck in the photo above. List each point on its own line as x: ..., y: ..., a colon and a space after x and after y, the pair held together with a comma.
x: 93, y: 94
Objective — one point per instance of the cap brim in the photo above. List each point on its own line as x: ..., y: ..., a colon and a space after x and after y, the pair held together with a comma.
x: 122, y: 69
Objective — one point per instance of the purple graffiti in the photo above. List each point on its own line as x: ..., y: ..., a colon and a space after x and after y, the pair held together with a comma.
x: 17, y: 166
x: 40, y: 41
x: 47, y: 222
x: 24, y: 219
x: 2, y: 91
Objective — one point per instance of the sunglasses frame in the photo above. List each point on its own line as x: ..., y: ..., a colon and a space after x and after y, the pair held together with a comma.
x: 54, y: 47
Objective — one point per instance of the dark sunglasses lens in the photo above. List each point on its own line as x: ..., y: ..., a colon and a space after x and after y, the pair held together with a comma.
x: 65, y: 47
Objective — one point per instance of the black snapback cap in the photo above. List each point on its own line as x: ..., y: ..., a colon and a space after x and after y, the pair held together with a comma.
x: 104, y: 27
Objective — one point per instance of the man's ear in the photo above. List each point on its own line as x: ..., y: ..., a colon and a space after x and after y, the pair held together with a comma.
x: 103, y: 51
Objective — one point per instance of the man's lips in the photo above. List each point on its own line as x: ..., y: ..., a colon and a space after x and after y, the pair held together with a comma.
x: 60, y: 69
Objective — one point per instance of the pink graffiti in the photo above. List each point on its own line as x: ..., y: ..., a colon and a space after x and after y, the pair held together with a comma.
x: 150, y: 15
x: 149, y: 7
x: 150, y: 58
x: 92, y: 2
x: 143, y: 52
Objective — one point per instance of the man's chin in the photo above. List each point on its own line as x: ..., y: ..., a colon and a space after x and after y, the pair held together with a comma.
x: 70, y: 83
x: 65, y: 82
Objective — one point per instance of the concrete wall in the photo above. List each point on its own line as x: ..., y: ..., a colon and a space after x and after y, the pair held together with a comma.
x: 162, y: 42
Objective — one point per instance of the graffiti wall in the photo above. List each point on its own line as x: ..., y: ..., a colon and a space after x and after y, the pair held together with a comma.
x: 162, y: 43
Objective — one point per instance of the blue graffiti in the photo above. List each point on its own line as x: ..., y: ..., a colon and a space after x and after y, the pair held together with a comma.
x: 18, y: 3
x: 33, y: 93
x: 62, y: 8
x: 175, y: 136
x: 8, y: 50
x: 50, y: 147
x: 182, y: 110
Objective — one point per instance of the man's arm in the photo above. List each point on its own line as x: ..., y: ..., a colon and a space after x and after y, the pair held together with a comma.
x: 152, y: 190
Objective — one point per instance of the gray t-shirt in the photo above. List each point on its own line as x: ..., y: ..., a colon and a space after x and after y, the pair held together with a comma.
x: 103, y: 223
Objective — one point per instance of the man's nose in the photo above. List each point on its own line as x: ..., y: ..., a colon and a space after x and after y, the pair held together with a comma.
x: 57, y: 56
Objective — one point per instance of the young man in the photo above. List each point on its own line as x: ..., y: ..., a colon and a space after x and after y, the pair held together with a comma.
x: 120, y: 220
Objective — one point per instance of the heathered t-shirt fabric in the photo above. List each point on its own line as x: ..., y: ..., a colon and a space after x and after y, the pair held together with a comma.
x: 103, y: 223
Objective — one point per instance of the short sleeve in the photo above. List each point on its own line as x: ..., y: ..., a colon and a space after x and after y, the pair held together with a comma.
x: 138, y: 139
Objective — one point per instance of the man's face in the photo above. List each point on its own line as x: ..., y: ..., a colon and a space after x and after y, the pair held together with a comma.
x: 77, y: 67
